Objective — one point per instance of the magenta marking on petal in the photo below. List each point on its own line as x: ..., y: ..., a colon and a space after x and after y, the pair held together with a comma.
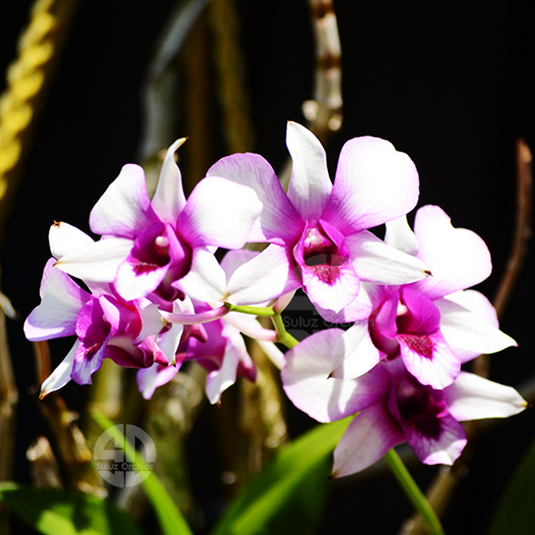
x: 421, y: 344
x: 144, y: 267
x: 327, y: 273
x: 90, y: 352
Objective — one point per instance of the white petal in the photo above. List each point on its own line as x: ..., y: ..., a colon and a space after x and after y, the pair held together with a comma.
x: 98, y: 262
x: 279, y: 222
x: 310, y: 186
x: 218, y: 381
x: 476, y: 302
x: 369, y: 436
x: 437, y: 372
x: 132, y: 285
x: 399, y: 235
x: 61, y: 301
x: 124, y: 209
x: 61, y: 375
x: 472, y: 397
x: 206, y: 279
x: 374, y: 183
x: 468, y: 333
x: 308, y: 382
x: 267, y: 276
x: 458, y: 258
x: 65, y: 239
x: 169, y: 199
x: 219, y: 212
x: 234, y: 259
x: 355, y: 354
x: 377, y: 262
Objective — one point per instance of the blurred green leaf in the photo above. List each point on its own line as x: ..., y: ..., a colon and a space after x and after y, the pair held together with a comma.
x: 289, y: 496
x: 516, y: 511
x: 169, y: 516
x: 57, y: 512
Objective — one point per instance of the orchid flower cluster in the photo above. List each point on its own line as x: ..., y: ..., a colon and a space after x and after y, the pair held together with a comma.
x: 155, y: 294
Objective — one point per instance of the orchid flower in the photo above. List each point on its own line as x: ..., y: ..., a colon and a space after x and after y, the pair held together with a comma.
x: 391, y: 406
x: 432, y: 330
x: 318, y: 231
x: 148, y: 243
x: 435, y: 325
x: 222, y: 352
x: 105, y: 326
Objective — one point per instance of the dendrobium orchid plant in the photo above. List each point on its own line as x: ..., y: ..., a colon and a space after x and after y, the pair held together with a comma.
x: 158, y: 296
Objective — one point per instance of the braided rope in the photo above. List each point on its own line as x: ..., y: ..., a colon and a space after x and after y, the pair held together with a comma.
x: 26, y: 78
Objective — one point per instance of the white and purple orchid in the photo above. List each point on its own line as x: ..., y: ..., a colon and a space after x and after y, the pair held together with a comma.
x: 318, y: 231
x: 391, y: 406
x: 147, y: 244
x: 157, y: 296
x: 105, y: 325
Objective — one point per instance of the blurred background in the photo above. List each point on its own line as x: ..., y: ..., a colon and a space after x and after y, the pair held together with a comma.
x: 450, y: 84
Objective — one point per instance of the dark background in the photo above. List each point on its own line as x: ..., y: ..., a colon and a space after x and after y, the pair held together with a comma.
x: 451, y: 84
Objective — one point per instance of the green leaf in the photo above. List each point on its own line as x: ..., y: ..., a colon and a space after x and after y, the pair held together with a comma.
x: 53, y: 511
x: 169, y: 516
x: 290, y: 493
x: 516, y: 513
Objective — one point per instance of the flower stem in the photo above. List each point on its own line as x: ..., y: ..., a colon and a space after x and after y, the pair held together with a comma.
x: 412, y: 491
x: 283, y: 336
x: 256, y: 311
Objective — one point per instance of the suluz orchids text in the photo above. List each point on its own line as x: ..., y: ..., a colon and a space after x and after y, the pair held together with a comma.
x: 157, y: 296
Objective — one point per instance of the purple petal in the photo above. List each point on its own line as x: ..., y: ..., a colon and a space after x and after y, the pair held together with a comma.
x: 310, y: 187
x: 123, y: 318
x: 220, y: 213
x: 279, y: 222
x: 169, y: 199
x: 61, y: 301
x: 124, y: 209
x: 369, y: 436
x: 374, y: 183
x: 329, y: 278
x: 443, y: 449
x: 472, y: 397
x: 457, y: 258
x: 377, y: 262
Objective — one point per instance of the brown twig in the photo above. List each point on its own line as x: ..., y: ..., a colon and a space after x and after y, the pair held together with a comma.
x: 442, y: 488
x: 70, y: 442
x: 8, y: 402
x: 324, y: 112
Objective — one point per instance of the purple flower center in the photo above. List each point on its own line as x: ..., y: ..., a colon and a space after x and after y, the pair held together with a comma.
x: 418, y: 409
x: 322, y: 256
x: 151, y: 250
